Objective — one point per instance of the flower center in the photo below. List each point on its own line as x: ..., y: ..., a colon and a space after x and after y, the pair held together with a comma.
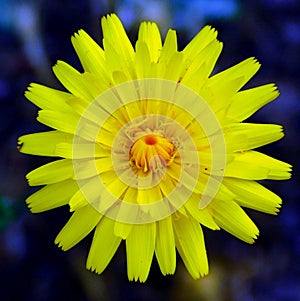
x: 151, y: 153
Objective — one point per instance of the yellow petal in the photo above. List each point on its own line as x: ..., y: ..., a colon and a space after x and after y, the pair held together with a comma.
x: 252, y: 195
x: 94, y: 133
x: 202, y: 66
x: 103, y: 247
x: 246, y: 136
x: 240, y: 74
x: 91, y: 55
x: 80, y: 151
x: 94, y: 116
x: 81, y: 223
x: 252, y: 165
x: 48, y: 98
x: 126, y: 213
x: 78, y: 200
x: 117, y: 187
x: 103, y: 192
x: 247, y: 102
x: 90, y: 168
x: 119, y: 77
x: 52, y: 196
x: 165, y: 246
x: 119, y: 53
x: 167, y: 185
x: 200, y: 41
x: 93, y: 84
x: 232, y: 218
x: 50, y: 173
x: 190, y: 245
x: 79, y: 106
x: 78, y: 84
x: 43, y: 144
x: 130, y: 196
x: 219, y: 89
x: 94, y: 192
x: 140, y: 246
x: 201, y: 186
x: 169, y: 47
x: 142, y: 59
x: 110, y: 193
x: 58, y: 120
x: 201, y: 215
x: 174, y: 67
x: 143, y: 196
x: 149, y: 33
x: 122, y: 229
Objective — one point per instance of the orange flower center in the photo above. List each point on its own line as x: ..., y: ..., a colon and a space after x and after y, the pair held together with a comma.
x: 151, y: 153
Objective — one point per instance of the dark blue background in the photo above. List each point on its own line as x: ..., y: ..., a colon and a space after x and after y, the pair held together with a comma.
x: 33, y: 35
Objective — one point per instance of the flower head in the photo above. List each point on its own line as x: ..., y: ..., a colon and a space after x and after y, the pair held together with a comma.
x: 152, y: 148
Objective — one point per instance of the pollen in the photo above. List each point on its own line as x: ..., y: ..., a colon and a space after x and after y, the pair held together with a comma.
x: 151, y: 153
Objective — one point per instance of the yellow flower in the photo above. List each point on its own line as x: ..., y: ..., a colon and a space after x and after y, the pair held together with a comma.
x: 152, y: 148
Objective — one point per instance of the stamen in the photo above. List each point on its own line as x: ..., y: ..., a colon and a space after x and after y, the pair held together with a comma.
x: 151, y: 153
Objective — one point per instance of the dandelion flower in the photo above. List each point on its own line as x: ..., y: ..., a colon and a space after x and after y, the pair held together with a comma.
x: 151, y: 148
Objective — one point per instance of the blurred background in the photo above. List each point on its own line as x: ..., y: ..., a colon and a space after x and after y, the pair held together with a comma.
x: 33, y: 35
